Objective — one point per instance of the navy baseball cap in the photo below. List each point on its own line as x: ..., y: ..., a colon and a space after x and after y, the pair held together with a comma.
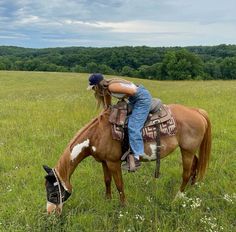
x: 94, y: 79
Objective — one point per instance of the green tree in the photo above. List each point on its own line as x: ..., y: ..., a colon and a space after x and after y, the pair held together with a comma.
x: 212, y: 70
x: 105, y: 69
x: 79, y: 69
x: 128, y: 71
x: 92, y: 67
x: 181, y: 65
x: 228, y: 68
x: 150, y: 72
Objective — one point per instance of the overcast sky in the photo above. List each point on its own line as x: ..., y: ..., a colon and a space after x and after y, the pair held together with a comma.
x: 106, y: 23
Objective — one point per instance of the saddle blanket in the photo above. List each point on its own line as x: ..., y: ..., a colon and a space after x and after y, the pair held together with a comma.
x: 163, y: 117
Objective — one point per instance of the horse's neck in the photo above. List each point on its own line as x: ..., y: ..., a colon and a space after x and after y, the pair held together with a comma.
x: 66, y: 166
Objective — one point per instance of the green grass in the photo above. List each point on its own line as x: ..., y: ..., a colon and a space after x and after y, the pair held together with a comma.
x: 41, y: 112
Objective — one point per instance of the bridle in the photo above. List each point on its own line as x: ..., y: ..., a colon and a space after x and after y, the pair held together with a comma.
x: 60, y: 195
x: 59, y: 186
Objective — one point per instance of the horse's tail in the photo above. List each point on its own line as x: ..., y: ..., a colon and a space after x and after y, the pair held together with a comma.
x: 205, y: 148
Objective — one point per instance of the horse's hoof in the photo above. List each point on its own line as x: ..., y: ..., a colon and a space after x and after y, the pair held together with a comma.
x: 178, y: 196
x: 108, y: 197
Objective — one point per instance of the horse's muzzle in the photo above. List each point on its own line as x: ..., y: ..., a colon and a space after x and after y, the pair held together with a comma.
x: 53, y: 208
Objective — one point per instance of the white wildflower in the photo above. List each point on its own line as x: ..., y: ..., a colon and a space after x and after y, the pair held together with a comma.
x: 228, y: 198
x: 210, y: 224
x: 199, y: 184
x: 139, y: 217
x: 196, y: 203
x: 120, y: 214
x: 9, y: 189
x: 191, y: 202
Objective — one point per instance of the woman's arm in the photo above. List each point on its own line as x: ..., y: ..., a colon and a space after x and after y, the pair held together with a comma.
x: 121, y: 88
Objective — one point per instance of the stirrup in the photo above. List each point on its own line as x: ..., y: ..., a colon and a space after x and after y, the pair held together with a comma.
x: 124, y: 156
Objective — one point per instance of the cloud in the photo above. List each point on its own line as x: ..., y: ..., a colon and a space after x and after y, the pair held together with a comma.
x: 117, y: 22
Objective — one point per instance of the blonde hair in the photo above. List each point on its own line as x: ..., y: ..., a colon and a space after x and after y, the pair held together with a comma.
x: 102, y: 94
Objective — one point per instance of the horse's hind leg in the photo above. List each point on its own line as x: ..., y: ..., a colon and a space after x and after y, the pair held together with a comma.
x: 194, y: 170
x: 187, y: 159
x: 107, y: 180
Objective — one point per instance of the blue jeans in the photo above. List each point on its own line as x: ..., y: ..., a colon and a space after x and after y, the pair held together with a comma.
x: 141, y: 104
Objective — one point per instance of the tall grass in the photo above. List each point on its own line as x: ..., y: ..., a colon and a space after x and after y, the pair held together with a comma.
x: 39, y: 114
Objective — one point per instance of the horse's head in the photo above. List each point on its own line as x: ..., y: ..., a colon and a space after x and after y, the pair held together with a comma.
x: 56, y: 192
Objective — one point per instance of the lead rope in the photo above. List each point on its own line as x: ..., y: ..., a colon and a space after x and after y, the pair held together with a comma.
x: 59, y: 186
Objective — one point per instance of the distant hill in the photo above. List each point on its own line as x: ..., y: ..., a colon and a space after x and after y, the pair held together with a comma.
x: 163, y: 63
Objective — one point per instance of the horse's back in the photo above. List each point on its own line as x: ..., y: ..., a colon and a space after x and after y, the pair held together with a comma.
x: 188, y: 114
x: 191, y: 125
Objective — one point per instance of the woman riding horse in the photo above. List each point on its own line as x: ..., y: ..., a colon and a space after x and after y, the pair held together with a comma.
x: 140, y: 102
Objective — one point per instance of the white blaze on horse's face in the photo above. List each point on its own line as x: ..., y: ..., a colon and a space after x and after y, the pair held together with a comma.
x: 78, y: 148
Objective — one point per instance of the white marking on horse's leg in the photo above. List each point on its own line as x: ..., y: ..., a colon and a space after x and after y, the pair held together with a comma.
x: 179, y: 195
x: 78, y: 148
x: 93, y: 148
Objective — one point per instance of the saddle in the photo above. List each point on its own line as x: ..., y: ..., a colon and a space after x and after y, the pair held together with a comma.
x: 159, y: 114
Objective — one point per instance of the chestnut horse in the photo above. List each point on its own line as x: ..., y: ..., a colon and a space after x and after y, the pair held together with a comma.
x: 95, y: 139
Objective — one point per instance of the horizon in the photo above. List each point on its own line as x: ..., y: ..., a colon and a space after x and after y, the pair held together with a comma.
x: 15, y: 46
x: 116, y: 23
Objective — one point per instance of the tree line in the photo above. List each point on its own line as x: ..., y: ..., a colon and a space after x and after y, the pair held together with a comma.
x: 161, y: 63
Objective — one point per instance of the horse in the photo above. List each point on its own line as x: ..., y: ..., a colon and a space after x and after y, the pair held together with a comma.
x: 193, y: 135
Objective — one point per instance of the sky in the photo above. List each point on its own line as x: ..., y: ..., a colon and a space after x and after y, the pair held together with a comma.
x: 109, y: 23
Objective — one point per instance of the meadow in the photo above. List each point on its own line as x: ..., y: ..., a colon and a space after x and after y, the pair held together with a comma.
x: 40, y: 112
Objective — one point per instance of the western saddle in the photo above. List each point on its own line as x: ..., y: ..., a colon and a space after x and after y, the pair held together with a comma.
x: 160, y: 122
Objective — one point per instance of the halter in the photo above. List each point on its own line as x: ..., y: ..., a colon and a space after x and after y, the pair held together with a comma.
x: 62, y: 192
x: 59, y: 186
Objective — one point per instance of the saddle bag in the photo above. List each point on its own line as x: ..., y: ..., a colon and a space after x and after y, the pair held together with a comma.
x: 119, y: 113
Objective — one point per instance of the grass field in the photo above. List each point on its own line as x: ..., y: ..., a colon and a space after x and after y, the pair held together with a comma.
x: 41, y: 112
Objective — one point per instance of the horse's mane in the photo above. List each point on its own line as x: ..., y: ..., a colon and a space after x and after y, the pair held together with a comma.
x: 104, y: 114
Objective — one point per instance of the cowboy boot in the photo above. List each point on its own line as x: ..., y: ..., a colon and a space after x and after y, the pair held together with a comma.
x: 132, y: 164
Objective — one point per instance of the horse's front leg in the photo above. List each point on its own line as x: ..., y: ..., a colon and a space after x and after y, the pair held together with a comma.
x: 115, y: 169
x: 107, y: 180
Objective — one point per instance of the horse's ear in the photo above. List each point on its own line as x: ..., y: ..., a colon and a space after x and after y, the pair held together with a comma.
x: 47, y: 169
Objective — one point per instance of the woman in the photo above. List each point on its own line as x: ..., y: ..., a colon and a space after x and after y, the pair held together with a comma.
x: 140, y: 100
